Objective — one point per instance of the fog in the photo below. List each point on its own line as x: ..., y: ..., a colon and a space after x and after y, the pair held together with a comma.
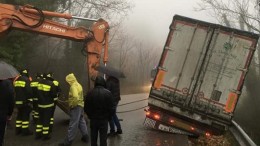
x: 150, y: 19
x: 147, y: 24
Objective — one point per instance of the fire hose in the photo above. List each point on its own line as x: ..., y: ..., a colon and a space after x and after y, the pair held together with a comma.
x: 128, y: 103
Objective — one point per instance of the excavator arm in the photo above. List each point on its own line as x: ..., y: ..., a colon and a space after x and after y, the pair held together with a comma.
x: 31, y: 19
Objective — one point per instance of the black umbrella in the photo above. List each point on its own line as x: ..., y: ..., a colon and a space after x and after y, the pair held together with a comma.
x: 7, y: 71
x: 110, y: 71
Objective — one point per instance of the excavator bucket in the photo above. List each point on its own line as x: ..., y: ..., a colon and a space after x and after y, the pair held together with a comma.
x: 63, y: 105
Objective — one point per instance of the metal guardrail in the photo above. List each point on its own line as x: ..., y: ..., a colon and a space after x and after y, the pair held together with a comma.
x: 240, y: 135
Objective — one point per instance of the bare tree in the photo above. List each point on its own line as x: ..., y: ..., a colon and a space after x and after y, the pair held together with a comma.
x: 235, y: 11
x: 121, y: 48
x: 134, y: 57
x: 147, y: 58
x: 113, y: 11
x: 108, y: 10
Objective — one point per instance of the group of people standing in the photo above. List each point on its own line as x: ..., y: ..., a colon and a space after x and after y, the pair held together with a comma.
x: 99, y: 104
x: 39, y: 97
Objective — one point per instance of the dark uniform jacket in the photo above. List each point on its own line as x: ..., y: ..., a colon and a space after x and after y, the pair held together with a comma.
x: 99, y: 102
x: 6, y: 98
x: 23, y: 91
x: 113, y: 86
x: 34, y: 86
x: 57, y: 88
x: 46, y: 92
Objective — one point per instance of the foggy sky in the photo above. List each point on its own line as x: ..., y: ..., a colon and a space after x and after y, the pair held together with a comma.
x: 149, y: 20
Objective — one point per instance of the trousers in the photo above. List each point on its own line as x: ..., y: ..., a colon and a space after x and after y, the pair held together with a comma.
x: 98, y: 127
x: 23, y: 118
x: 114, y: 122
x: 76, y: 121
x: 2, y: 130
x: 44, y: 121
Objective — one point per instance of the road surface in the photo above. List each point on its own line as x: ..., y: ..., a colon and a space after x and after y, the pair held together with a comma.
x: 134, y: 133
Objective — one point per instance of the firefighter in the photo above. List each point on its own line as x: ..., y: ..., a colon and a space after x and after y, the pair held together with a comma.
x: 23, y: 102
x: 34, y: 86
x: 36, y: 115
x: 46, y: 90
x: 57, y: 93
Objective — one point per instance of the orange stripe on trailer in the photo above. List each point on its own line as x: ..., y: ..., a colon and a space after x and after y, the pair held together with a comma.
x: 159, y: 79
x: 231, y: 102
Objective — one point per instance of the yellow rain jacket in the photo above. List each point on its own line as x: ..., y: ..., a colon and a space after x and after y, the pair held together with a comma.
x: 75, y: 93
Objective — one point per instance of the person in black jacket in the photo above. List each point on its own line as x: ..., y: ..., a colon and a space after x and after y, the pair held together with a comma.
x: 34, y: 86
x: 23, y: 102
x: 113, y: 85
x: 6, y: 105
x: 46, y: 95
x: 99, y: 108
x: 57, y: 93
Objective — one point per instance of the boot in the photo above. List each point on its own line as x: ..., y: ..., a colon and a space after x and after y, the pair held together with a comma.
x: 27, y: 132
x: 85, y: 138
x: 119, y: 131
x: 112, y: 133
x: 62, y: 144
x: 65, y: 144
x: 18, y: 131
x: 50, y: 130
x: 46, y: 137
x: 38, y: 136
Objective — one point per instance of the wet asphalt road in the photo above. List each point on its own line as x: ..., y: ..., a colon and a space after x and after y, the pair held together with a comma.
x: 134, y: 133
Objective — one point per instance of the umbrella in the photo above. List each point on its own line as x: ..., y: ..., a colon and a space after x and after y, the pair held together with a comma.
x: 110, y: 71
x: 7, y: 71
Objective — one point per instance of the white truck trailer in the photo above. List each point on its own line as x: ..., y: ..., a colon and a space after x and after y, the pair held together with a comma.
x: 199, y: 77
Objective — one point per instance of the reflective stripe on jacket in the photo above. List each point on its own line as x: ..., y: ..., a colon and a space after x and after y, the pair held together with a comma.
x: 23, y: 90
x: 34, y: 86
x: 45, y: 94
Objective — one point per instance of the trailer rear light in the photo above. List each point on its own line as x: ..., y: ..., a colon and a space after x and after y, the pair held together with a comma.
x: 148, y: 113
x: 192, y: 128
x: 207, y: 134
x: 157, y: 117
x: 171, y: 121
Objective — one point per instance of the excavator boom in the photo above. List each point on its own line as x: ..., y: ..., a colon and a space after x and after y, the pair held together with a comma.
x: 31, y: 19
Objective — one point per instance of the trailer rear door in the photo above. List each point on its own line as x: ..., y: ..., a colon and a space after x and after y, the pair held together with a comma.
x: 205, y: 64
